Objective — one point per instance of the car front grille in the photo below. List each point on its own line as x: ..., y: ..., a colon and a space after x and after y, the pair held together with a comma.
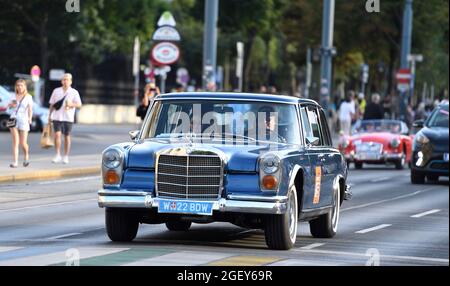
x: 196, y: 177
x: 369, y: 147
x: 439, y: 166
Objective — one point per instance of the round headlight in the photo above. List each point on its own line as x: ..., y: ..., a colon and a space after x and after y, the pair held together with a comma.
x: 270, y: 164
x: 395, y: 143
x: 112, y: 159
x: 422, y: 139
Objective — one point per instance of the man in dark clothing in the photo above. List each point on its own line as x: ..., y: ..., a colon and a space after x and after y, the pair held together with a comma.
x: 374, y: 110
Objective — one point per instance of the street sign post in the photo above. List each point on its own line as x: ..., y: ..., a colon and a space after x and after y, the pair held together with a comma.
x: 136, y: 64
x: 166, y: 33
x: 56, y: 74
x: 403, y: 77
x: 165, y: 53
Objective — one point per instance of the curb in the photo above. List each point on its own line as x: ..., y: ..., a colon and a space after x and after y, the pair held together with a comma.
x: 50, y: 174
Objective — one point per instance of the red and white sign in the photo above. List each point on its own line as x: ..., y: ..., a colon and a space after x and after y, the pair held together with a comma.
x: 403, y: 76
x: 165, y: 53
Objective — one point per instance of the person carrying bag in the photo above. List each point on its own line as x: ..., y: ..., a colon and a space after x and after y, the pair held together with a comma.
x: 46, y: 137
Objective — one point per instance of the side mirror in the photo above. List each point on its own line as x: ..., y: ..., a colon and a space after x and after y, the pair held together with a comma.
x: 134, y: 134
x: 313, y: 141
x: 418, y: 124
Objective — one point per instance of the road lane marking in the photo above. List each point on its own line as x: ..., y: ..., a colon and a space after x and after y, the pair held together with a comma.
x: 245, y: 261
x: 69, y: 180
x: 373, y: 228
x: 301, y: 262
x: 387, y: 200
x: 59, y: 257
x: 380, y: 179
x: 398, y: 257
x: 425, y: 213
x: 182, y: 258
x: 9, y: 248
x: 313, y: 245
x: 47, y: 205
x: 63, y: 235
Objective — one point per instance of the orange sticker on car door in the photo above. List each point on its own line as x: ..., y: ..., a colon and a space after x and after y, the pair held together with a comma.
x: 317, y: 185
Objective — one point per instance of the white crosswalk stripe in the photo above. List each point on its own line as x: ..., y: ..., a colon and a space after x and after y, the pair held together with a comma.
x: 60, y: 257
x: 301, y: 262
x: 183, y: 258
x: 9, y: 248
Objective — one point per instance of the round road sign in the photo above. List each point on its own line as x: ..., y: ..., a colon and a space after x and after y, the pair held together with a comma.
x: 165, y: 53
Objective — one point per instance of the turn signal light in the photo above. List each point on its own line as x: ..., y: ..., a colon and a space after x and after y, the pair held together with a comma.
x: 111, y: 178
x: 269, y: 182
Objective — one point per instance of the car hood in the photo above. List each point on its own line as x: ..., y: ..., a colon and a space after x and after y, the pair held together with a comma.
x: 438, y: 136
x: 239, y: 158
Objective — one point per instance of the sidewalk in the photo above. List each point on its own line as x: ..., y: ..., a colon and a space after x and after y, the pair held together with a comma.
x: 88, y: 142
x: 44, y: 169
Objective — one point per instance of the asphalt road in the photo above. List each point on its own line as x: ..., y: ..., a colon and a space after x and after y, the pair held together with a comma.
x: 388, y: 222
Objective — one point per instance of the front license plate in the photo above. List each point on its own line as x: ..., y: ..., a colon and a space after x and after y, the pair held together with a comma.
x: 446, y: 157
x: 185, y: 207
x: 369, y: 156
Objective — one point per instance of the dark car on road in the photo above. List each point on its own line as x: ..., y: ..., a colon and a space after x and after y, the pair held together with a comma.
x: 257, y: 161
x: 430, y: 156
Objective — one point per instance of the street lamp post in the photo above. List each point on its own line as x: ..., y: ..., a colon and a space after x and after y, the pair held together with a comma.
x: 406, y: 50
x: 210, y: 41
x: 327, y: 52
x: 413, y: 59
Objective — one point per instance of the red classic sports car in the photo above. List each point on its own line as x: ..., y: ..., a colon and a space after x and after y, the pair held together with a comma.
x: 377, y: 142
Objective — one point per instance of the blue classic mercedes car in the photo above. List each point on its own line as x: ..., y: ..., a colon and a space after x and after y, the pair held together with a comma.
x: 257, y: 161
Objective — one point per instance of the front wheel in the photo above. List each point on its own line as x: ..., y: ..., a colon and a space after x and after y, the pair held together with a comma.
x: 325, y: 226
x: 400, y: 163
x: 281, y: 230
x: 121, y: 224
x: 417, y: 177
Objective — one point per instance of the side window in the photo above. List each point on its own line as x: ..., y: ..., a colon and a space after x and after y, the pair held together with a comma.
x: 325, y: 130
x: 313, y: 117
x: 307, y: 132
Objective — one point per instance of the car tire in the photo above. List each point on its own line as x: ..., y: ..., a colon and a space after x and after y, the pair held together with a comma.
x: 400, y: 164
x: 325, y: 226
x: 121, y: 224
x: 432, y: 178
x: 358, y: 165
x: 3, y: 120
x: 178, y: 225
x: 417, y: 177
x: 281, y: 229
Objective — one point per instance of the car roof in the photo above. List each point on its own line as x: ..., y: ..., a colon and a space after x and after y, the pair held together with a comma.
x: 236, y: 96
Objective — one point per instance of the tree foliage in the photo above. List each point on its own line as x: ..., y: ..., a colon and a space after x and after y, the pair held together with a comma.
x: 276, y: 34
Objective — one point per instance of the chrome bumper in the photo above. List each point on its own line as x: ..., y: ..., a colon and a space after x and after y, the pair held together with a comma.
x: 348, y: 193
x: 233, y: 203
x: 380, y: 157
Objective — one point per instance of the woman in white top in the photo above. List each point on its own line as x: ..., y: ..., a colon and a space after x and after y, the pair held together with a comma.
x: 22, y: 110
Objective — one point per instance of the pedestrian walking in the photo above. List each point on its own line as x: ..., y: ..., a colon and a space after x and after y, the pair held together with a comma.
x: 150, y: 91
x: 374, y: 110
x: 63, y: 102
x: 21, y: 107
x: 346, y: 114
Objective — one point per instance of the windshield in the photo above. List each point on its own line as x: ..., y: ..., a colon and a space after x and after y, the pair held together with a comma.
x: 371, y: 126
x: 439, y: 118
x: 224, y: 121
